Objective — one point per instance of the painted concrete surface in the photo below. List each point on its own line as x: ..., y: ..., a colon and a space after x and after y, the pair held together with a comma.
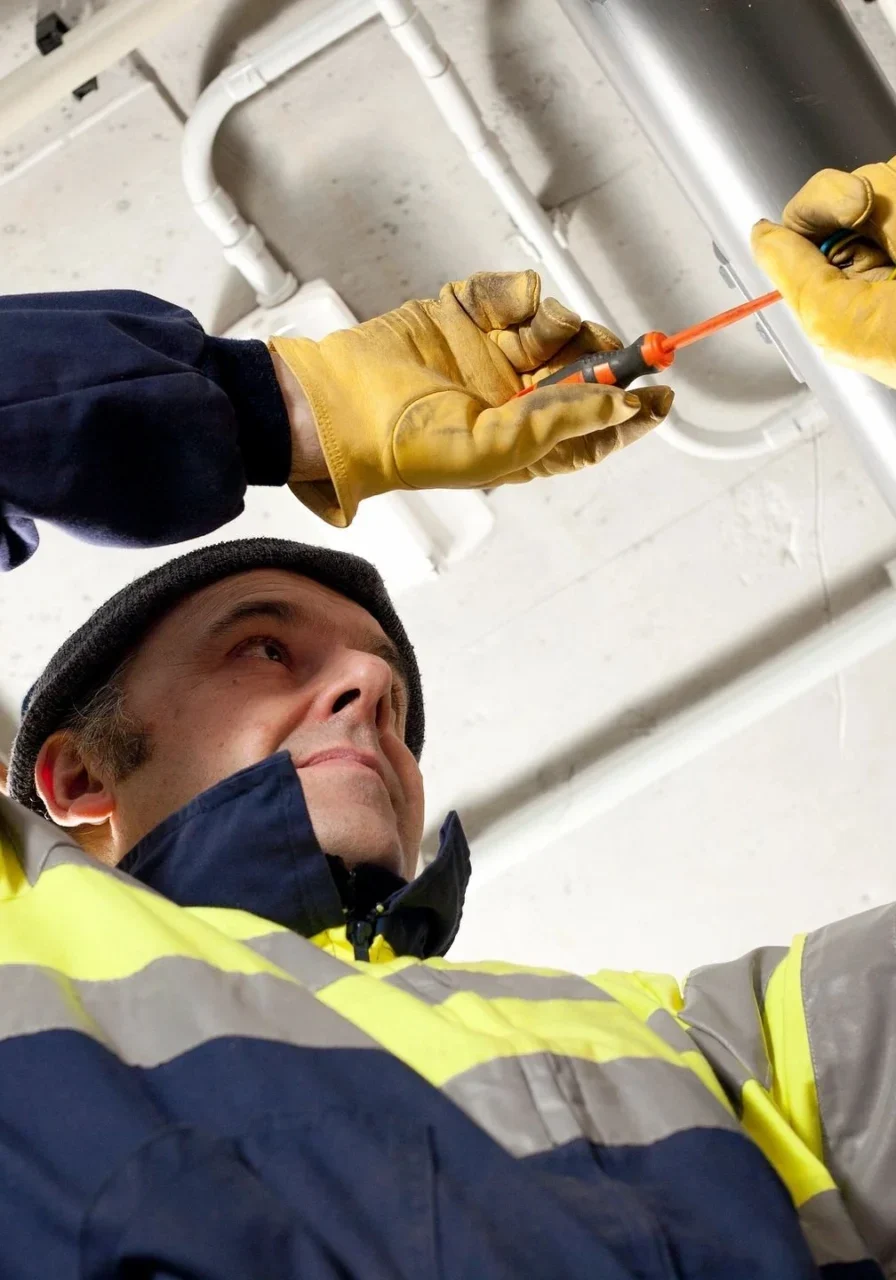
x: 601, y: 601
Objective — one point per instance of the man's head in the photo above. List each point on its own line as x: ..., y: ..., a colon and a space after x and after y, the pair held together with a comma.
x: 252, y: 662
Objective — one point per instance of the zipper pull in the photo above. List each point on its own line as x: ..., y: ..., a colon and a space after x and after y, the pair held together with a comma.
x: 360, y: 935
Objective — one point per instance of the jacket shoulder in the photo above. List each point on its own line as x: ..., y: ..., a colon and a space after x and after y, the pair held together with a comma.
x: 27, y: 844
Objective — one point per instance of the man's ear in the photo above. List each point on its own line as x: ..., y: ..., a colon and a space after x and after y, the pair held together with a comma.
x: 69, y: 787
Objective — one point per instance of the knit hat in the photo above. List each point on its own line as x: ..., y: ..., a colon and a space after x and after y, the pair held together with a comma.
x: 88, y: 657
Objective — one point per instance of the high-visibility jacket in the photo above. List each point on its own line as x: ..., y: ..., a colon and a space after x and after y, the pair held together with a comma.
x: 189, y: 1087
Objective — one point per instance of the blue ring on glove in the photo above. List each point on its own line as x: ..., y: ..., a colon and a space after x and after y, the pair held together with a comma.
x: 837, y: 238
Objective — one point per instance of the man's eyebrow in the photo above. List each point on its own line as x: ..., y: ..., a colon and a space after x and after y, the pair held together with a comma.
x: 273, y: 610
x: 291, y: 615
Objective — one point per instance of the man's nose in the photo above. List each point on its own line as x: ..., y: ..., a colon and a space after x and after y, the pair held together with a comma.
x: 357, y: 688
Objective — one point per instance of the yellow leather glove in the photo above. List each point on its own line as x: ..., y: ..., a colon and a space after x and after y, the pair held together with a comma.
x: 847, y: 303
x: 421, y: 398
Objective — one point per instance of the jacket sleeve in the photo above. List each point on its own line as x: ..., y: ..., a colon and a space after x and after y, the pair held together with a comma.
x: 804, y: 1041
x: 124, y: 423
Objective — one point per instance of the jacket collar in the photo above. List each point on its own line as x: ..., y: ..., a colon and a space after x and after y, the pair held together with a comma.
x: 248, y: 843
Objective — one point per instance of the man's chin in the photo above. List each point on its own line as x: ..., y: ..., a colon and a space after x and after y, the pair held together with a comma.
x: 362, y: 837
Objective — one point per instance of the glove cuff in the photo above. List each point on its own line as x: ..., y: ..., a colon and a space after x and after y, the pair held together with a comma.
x: 355, y: 465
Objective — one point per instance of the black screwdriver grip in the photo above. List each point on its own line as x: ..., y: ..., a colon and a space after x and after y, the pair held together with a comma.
x: 609, y: 368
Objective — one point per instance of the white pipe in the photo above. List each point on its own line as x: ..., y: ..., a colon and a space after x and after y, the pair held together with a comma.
x: 801, y: 419
x: 598, y: 787
x: 455, y: 103
x: 340, y: 18
x: 243, y: 244
x: 94, y: 44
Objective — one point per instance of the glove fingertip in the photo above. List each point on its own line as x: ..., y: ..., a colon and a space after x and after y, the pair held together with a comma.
x: 534, y: 283
x: 652, y: 404
x: 499, y: 299
x: 658, y: 401
x: 561, y: 315
x: 761, y: 229
x: 787, y: 257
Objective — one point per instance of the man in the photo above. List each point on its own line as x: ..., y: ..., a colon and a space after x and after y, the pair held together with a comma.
x: 229, y: 1044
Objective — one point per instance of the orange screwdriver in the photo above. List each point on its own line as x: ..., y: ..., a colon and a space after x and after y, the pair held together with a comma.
x: 651, y: 353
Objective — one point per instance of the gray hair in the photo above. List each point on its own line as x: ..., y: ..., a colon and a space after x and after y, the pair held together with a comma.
x: 108, y: 734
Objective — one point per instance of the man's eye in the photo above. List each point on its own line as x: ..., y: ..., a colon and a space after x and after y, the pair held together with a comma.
x: 264, y: 647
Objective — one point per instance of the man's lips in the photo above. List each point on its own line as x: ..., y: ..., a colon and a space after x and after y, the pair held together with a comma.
x: 350, y: 755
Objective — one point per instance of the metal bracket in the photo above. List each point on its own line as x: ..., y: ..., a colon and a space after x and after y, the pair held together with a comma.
x: 54, y: 18
x: 768, y: 335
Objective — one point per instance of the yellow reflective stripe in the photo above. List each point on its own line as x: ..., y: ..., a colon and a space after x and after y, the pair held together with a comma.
x: 241, y: 926
x: 92, y: 926
x: 800, y: 1170
x: 643, y: 993
x: 467, y: 1030
x: 13, y: 880
x: 784, y: 1121
x: 787, y: 1036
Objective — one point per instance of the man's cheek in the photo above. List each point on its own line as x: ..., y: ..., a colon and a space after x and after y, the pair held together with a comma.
x: 407, y: 771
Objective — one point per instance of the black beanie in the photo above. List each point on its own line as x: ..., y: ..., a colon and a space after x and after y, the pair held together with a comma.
x: 88, y: 657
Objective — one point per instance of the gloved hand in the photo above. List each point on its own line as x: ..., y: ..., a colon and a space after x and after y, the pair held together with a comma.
x: 846, y: 304
x: 421, y: 398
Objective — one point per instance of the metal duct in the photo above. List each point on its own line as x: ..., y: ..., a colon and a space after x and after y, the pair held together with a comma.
x: 745, y: 100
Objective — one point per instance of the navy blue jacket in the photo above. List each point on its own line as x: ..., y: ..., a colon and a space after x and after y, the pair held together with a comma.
x: 124, y: 423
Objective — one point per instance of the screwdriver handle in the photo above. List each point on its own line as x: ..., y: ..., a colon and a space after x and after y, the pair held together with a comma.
x: 645, y: 355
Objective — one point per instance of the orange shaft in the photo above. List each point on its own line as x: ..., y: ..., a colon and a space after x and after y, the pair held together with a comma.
x: 675, y: 341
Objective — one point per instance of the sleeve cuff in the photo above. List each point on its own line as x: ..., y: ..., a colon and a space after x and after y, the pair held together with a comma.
x: 243, y: 369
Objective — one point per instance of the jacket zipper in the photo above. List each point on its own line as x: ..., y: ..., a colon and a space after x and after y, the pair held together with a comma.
x: 361, y: 932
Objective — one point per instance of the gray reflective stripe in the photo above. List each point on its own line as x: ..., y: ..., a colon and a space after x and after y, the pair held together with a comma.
x: 849, y: 995
x: 436, y: 985
x: 533, y: 1103
x: 433, y: 986
x: 302, y: 960
x: 664, y: 1025
x: 40, y: 846
x: 723, y: 1008
x: 37, y: 842
x: 829, y: 1230
x: 170, y: 1007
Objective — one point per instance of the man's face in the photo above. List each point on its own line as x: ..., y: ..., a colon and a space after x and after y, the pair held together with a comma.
x: 263, y: 662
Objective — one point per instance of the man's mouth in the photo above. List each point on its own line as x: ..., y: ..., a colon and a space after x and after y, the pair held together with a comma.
x: 345, y: 755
